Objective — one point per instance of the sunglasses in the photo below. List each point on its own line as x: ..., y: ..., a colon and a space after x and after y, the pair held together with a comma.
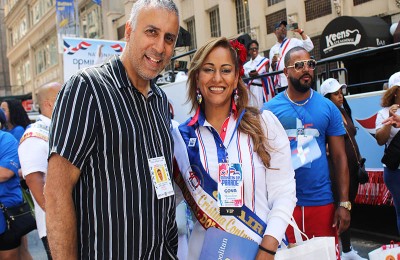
x: 299, y: 65
x: 253, y: 49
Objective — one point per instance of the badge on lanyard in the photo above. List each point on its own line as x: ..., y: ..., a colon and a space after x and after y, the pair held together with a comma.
x: 160, y: 177
x: 230, y: 188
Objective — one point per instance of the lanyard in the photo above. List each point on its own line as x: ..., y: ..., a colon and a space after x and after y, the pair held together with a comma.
x: 234, y: 131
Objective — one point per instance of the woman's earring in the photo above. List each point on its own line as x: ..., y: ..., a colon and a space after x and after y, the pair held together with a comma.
x: 236, y: 96
x: 199, y: 96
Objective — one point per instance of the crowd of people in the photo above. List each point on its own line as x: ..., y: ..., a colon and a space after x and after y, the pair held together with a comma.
x: 102, y: 160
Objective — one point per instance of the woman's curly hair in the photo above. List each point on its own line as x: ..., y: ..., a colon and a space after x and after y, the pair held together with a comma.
x: 389, y: 97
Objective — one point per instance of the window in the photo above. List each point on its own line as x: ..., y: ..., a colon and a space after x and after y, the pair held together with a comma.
x: 18, y: 31
x: 317, y: 8
x: 121, y: 32
x: 316, y: 52
x: 35, y: 13
x: 22, y: 71
x: 91, y: 24
x: 273, y: 18
x: 242, y: 16
x: 46, y: 55
x: 214, y: 23
x: 191, y: 27
x: 23, y: 28
x: 272, y: 2
x: 11, y: 4
x: 39, y: 9
x: 358, y: 2
x: 27, y: 70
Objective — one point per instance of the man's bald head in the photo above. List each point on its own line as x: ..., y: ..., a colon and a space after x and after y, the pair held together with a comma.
x: 46, y: 97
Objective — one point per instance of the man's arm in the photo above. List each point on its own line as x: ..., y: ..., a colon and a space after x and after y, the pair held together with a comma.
x: 35, y: 182
x: 60, y: 212
x: 339, y: 159
x: 5, y: 174
x: 307, y: 43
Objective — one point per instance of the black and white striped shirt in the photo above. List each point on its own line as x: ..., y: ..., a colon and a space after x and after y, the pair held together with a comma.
x: 108, y: 129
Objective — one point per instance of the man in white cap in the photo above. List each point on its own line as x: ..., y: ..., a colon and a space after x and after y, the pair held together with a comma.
x: 281, y: 47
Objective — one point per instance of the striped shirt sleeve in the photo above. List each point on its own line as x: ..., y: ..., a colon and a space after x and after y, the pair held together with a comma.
x: 72, y: 132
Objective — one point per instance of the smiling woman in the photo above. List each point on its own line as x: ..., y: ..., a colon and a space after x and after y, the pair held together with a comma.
x: 239, y: 146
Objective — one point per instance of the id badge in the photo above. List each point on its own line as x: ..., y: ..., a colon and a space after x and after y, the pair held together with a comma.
x: 160, y: 177
x: 230, y: 188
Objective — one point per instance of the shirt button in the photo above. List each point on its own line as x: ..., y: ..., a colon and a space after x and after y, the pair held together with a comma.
x: 224, y: 129
x: 220, y: 145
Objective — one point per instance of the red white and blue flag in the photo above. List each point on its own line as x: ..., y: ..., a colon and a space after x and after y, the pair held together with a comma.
x: 117, y: 48
x: 72, y: 50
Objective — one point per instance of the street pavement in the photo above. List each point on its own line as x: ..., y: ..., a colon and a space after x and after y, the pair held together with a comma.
x: 362, y: 242
x: 35, y: 246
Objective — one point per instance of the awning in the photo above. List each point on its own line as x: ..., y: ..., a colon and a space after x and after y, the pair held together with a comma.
x: 349, y: 33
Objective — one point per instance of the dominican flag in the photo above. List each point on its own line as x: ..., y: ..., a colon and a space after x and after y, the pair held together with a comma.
x: 72, y: 50
x: 369, y: 124
x: 117, y: 48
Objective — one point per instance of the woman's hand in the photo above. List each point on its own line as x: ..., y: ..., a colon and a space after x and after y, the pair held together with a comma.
x: 393, y: 109
x: 393, y: 121
x: 270, y: 243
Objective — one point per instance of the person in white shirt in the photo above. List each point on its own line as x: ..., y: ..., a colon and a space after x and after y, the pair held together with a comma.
x: 33, y: 152
x: 281, y: 47
x: 260, y: 89
x: 232, y: 152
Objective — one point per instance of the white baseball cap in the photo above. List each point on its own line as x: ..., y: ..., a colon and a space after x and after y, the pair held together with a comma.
x: 394, y: 80
x: 331, y: 85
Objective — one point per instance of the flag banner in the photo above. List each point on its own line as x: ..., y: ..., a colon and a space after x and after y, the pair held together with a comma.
x: 79, y: 53
x: 67, y: 22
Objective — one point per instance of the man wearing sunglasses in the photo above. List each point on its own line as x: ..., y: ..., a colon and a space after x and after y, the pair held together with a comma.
x: 260, y: 89
x: 281, y: 47
x: 309, y: 118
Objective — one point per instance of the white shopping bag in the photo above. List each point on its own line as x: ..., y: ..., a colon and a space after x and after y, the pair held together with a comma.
x: 386, y: 252
x: 316, y: 248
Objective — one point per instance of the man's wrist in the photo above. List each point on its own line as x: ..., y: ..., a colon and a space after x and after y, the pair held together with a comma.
x: 345, y: 204
x: 301, y: 32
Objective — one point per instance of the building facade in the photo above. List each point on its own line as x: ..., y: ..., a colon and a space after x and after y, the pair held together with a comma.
x: 5, y: 88
x: 32, y: 44
x: 257, y: 17
x: 33, y: 48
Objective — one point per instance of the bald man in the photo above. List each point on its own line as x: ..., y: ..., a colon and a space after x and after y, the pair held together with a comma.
x: 33, y: 152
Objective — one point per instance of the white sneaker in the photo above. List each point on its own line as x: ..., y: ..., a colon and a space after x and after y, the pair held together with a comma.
x: 352, y: 255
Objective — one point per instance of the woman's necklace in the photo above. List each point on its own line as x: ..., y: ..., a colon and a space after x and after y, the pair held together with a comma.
x: 302, y: 104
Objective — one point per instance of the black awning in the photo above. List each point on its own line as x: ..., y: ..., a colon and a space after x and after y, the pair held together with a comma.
x: 349, y: 33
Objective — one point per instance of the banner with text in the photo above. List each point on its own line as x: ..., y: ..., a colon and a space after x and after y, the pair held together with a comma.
x: 67, y: 21
x: 80, y: 53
